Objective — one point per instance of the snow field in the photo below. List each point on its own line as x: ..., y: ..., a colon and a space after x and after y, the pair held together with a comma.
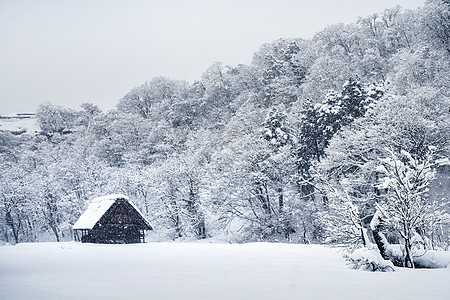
x: 202, y: 271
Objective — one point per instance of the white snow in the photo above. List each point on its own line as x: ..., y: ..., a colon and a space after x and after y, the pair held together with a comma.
x: 96, y: 209
x: 202, y: 271
x: 16, y: 124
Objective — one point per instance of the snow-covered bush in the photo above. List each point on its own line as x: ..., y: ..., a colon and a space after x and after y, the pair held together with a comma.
x: 432, y: 259
x: 369, y: 260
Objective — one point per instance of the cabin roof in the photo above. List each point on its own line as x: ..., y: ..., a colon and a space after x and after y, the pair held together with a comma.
x: 98, y: 207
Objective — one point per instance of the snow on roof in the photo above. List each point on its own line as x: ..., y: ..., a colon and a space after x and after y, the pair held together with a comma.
x: 110, y: 197
x: 98, y: 207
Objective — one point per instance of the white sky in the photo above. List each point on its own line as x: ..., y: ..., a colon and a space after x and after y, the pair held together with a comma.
x: 71, y: 52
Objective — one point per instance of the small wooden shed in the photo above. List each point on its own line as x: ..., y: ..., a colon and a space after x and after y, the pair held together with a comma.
x: 111, y: 219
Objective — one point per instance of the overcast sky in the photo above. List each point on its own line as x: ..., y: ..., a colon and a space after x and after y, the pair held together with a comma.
x: 71, y: 52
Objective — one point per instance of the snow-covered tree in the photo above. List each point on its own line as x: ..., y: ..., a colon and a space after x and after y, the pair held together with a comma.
x: 52, y: 118
x: 411, y: 124
x: 406, y: 206
x: 282, y: 64
x: 275, y: 130
x: 435, y: 20
x: 318, y: 123
x: 153, y: 97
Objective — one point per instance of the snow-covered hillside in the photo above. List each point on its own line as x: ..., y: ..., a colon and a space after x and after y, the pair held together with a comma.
x: 20, y: 123
x: 202, y: 271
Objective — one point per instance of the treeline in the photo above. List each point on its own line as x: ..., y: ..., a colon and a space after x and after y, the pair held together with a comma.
x: 306, y: 144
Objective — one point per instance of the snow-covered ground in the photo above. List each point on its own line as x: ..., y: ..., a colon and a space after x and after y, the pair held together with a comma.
x: 16, y: 124
x: 202, y: 271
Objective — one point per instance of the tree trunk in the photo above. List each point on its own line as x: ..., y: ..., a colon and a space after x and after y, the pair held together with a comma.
x: 56, y: 232
x: 381, y: 242
x: 364, y: 237
x: 409, y: 262
x: 384, y: 248
x: 10, y: 223
x: 31, y: 230
x: 280, y: 198
x: 6, y: 234
x: 202, y: 229
x: 305, y: 234
x: 262, y: 195
x: 52, y: 215
x: 196, y: 214
x: 176, y: 219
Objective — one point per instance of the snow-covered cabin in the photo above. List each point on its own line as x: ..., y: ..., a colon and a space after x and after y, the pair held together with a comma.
x: 111, y: 219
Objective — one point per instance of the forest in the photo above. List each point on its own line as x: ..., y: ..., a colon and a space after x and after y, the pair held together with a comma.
x: 343, y: 139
